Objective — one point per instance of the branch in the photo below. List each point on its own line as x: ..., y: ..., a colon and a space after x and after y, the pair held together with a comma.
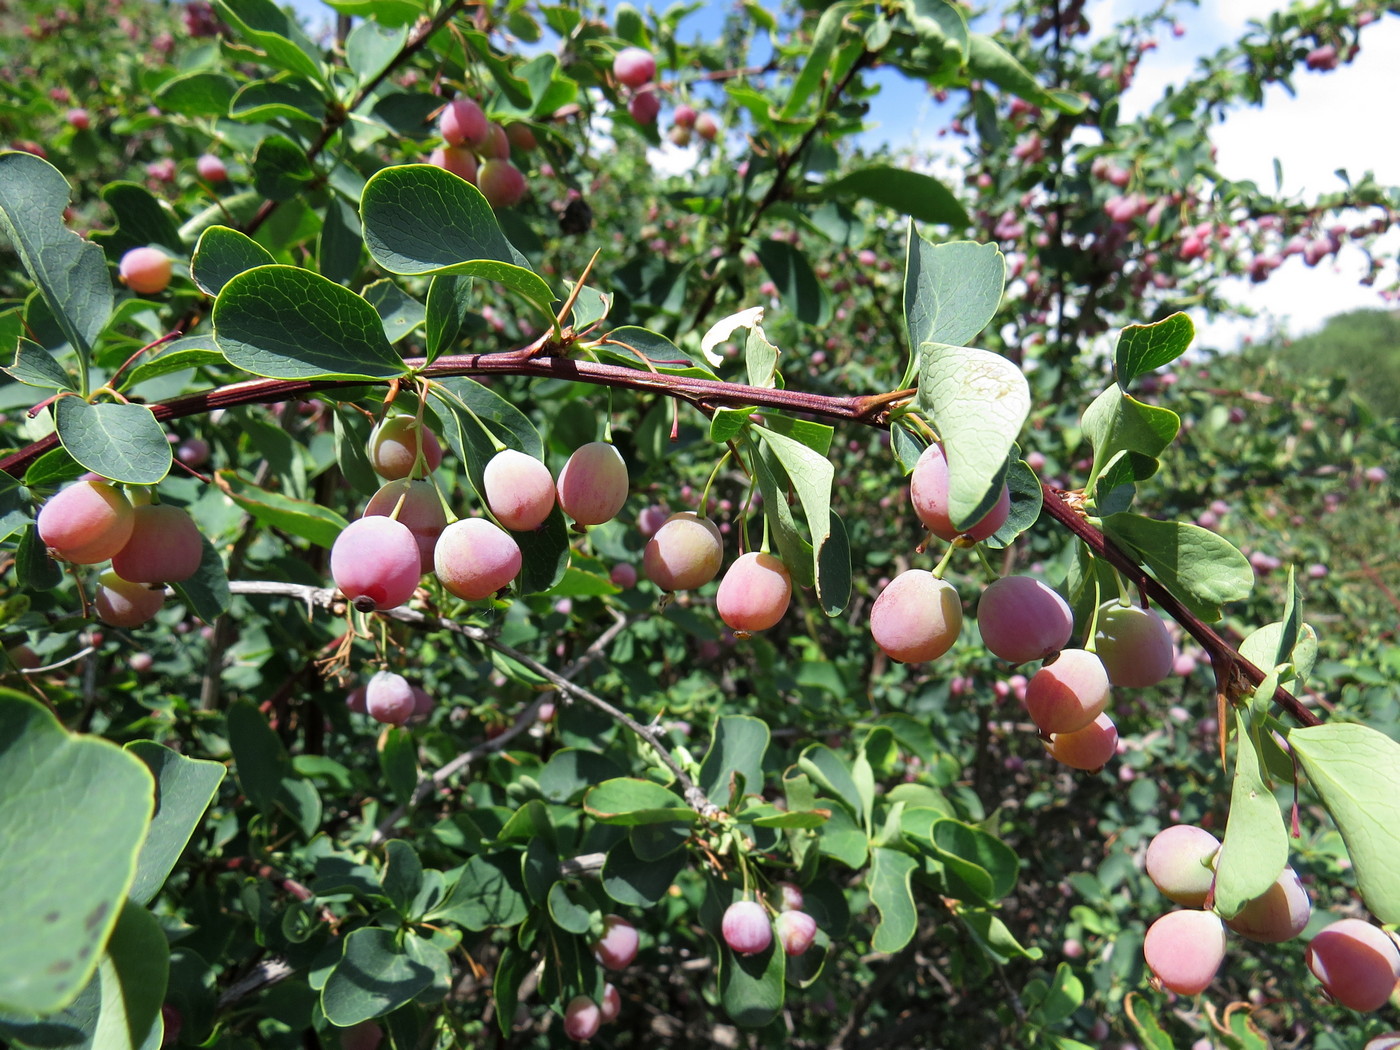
x: 328, y: 597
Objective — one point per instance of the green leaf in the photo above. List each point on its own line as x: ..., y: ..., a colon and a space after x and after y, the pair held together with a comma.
x: 173, y: 360
x: 72, y: 839
x: 566, y: 914
x: 994, y: 938
x: 978, y: 402
x: 988, y: 865
x: 371, y: 47
x: 834, y: 569
x: 989, y: 60
x: 472, y: 410
x: 402, y: 876
x: 71, y: 273
x: 398, y: 761
x: 1116, y: 421
x: 826, y: 767
x: 939, y: 22
x: 206, y: 593
x: 281, y: 168
x: 1145, y: 1025
x: 310, y: 521
x: 629, y: 800
x: 1196, y: 565
x: 951, y: 290
x: 802, y: 293
x: 197, y: 94
x: 818, y: 58
x: 1255, y: 848
x: 284, y: 322
x: 751, y: 987
x: 737, y: 747
x: 449, y: 302
x: 36, y: 571
x: 637, y: 881
x: 142, y: 219
x: 120, y: 442
x: 1027, y: 499
x: 572, y: 771
x: 184, y: 789
x: 490, y: 892
x: 400, y: 313
x: 890, y: 892
x: 374, y: 976
x: 35, y: 366
x: 420, y: 219
x: 642, y: 348
x: 222, y: 254
x: 1264, y: 649
x: 259, y: 759
x: 811, y: 475
x: 272, y: 31
x: 911, y: 193
x: 1144, y: 347
x: 1356, y: 772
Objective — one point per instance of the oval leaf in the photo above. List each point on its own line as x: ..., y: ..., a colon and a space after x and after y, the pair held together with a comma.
x: 120, y: 442
x: 221, y: 255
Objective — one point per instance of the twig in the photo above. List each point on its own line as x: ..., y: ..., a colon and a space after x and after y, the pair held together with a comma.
x: 325, y: 597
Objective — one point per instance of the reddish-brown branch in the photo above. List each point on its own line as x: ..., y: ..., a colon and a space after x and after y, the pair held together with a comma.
x: 1235, y: 673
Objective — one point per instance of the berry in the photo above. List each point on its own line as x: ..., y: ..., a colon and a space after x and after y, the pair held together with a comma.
x: 1178, y: 863
x: 644, y: 106
x: 789, y: 896
x: 624, y: 575
x: 394, y: 448
x: 78, y: 119
x: 497, y: 144
x: 1021, y: 619
x: 500, y: 182
x: 519, y: 490
x: 1356, y: 962
x: 796, y: 931
x: 210, y: 168
x: 1089, y: 748
x: 706, y: 127
x: 87, y: 522
x: 389, y: 698
x: 592, y: 487
x: 754, y: 593
x: 420, y: 510
x: 376, y: 564
x: 462, y: 123
x: 634, y: 66
x: 1278, y: 914
x: 916, y: 618
x: 1184, y: 949
x: 475, y: 558
x: 521, y: 137
x: 457, y: 159
x: 928, y: 491
x: 582, y: 1018
x: 121, y: 603
x: 1067, y: 693
x: 1134, y: 645
x: 684, y: 116
x: 684, y: 553
x: 617, y: 947
x: 146, y: 271
x: 746, y: 928
x: 611, y: 1004
x: 165, y: 546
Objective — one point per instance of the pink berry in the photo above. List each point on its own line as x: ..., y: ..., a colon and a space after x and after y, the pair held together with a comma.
x: 796, y: 931
x: 928, y: 491
x: 1178, y: 863
x: 389, y: 698
x: 121, y: 603
x: 1021, y: 619
x: 617, y: 947
x: 497, y: 144
x: 192, y: 452
x: 754, y: 593
x: 376, y: 564
x: 1356, y: 962
x: 634, y: 66
x: 165, y: 546
x: 746, y: 928
x: 684, y: 553
x: 624, y: 575
x: 501, y: 183
x: 1134, y: 645
x: 522, y: 138
x: 789, y: 896
x: 462, y: 123
x: 146, y: 271
x: 593, y: 485
x: 684, y: 116
x: 78, y: 119
x: 87, y: 522
x: 1184, y: 949
x: 706, y: 127
x: 210, y: 168
x: 1279, y: 914
x: 644, y: 106
x: 917, y: 617
x: 611, y: 1004
x: 1067, y: 693
x: 519, y: 490
x: 475, y: 558
x: 582, y: 1018
x: 457, y: 159
x: 1089, y: 748
x: 418, y: 507
x: 395, y: 445
x: 355, y: 701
